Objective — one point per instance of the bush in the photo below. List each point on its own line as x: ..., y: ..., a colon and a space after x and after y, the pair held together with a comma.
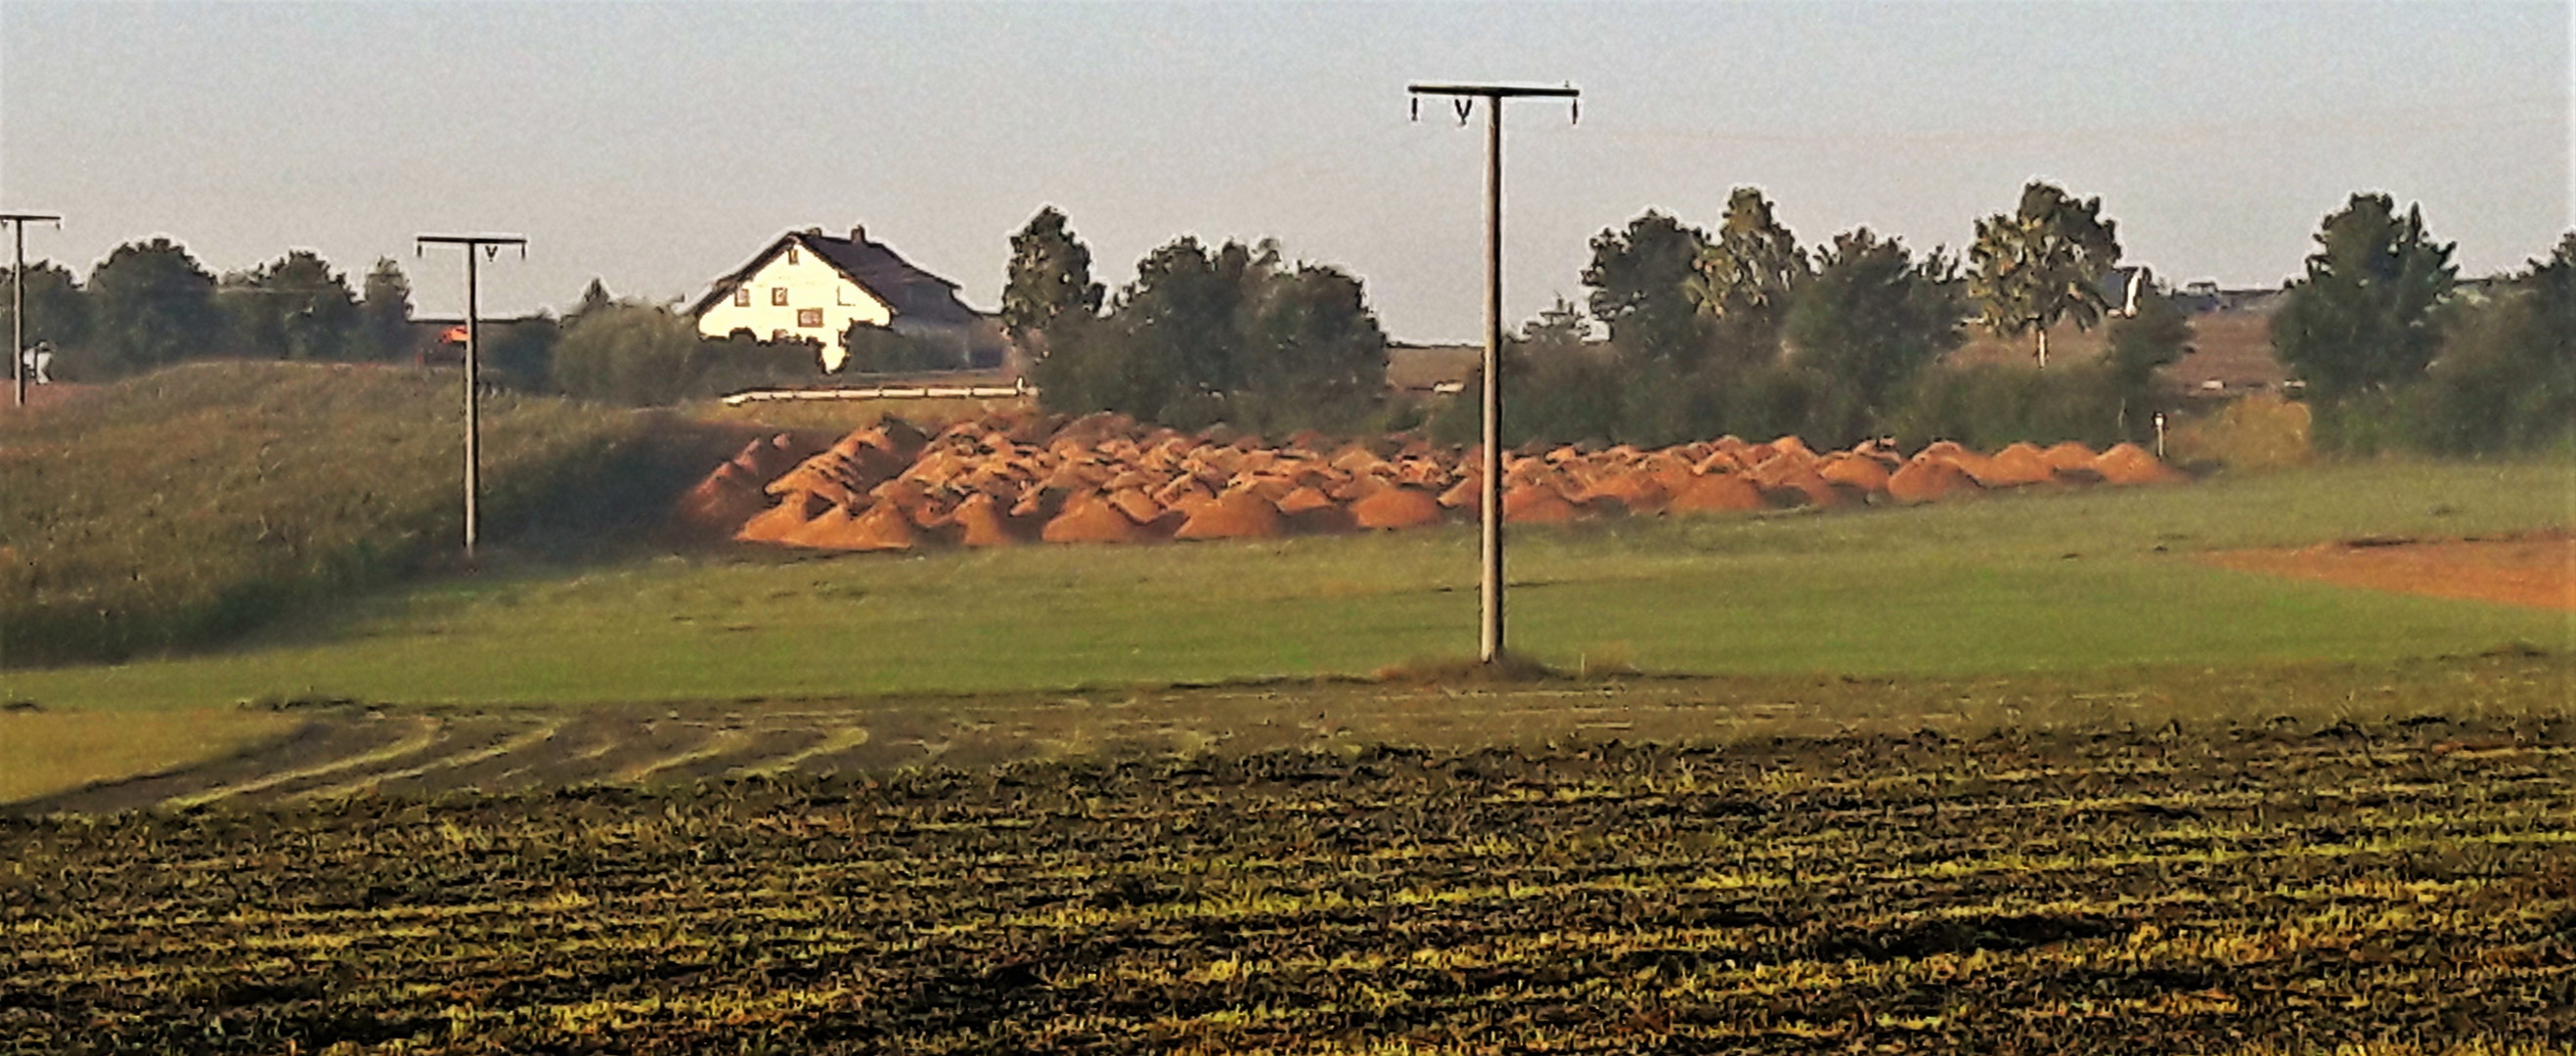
x: 740, y: 362
x: 2262, y: 431
x: 878, y: 350
x: 193, y: 503
x: 2505, y: 382
x: 633, y: 354
x: 1988, y: 406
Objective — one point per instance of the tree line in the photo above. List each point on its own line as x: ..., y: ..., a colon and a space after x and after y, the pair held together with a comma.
x: 1684, y: 333
x: 1688, y: 333
x: 151, y: 304
x: 1742, y: 330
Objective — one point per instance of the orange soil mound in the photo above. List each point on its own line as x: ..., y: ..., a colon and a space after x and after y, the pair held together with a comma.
x: 2129, y: 464
x: 1538, y: 504
x: 2069, y: 455
x: 1718, y: 493
x: 1090, y: 519
x: 2016, y: 466
x: 1853, y: 471
x: 778, y: 522
x: 2536, y: 570
x: 722, y: 503
x: 1396, y: 507
x: 1635, y: 490
x: 1928, y: 480
x: 1790, y: 479
x: 981, y: 522
x: 1234, y: 515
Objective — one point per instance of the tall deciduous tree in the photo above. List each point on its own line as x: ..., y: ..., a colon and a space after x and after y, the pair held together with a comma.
x: 1872, y: 318
x: 152, y: 304
x: 1314, y: 353
x: 57, y: 313
x: 384, y: 310
x: 1747, y: 276
x: 2043, y: 263
x: 1049, y: 279
x: 2362, y: 319
x: 294, y: 307
x: 1640, y: 279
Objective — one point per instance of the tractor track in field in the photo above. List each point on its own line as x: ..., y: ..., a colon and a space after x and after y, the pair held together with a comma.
x: 2391, y: 886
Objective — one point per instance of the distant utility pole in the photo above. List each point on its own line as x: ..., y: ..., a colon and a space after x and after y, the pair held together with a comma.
x: 18, y: 298
x: 1490, y: 641
x: 491, y: 247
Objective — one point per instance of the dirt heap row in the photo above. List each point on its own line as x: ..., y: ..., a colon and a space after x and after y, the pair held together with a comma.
x: 1105, y: 479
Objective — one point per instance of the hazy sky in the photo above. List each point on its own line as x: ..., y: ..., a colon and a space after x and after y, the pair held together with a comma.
x: 657, y: 146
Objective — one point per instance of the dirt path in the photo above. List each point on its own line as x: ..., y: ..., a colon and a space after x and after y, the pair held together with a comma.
x: 2537, y: 570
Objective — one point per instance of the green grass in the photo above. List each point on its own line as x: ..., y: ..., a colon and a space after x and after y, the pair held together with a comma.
x: 42, y: 753
x: 193, y: 503
x: 2066, y: 581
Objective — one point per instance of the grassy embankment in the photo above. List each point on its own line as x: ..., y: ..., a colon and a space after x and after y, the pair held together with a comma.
x: 2063, y: 581
x: 182, y: 508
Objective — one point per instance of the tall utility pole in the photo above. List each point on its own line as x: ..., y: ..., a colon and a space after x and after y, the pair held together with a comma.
x: 18, y: 298
x: 1490, y: 639
x: 491, y: 247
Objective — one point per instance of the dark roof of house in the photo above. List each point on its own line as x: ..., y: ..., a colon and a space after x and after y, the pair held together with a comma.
x: 910, y: 291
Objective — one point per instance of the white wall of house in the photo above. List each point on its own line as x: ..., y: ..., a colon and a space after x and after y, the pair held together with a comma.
x: 796, y: 294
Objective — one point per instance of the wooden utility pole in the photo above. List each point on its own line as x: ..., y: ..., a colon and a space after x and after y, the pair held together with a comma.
x: 18, y: 298
x: 491, y: 247
x: 1489, y: 648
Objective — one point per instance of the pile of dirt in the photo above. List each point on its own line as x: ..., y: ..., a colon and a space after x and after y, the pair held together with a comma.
x: 1104, y: 478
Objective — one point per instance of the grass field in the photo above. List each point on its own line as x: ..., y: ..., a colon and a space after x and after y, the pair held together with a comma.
x: 2059, y: 581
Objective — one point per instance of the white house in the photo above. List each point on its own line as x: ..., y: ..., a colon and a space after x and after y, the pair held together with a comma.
x: 812, y: 286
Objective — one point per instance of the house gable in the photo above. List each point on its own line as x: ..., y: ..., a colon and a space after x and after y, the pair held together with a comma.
x: 813, y: 286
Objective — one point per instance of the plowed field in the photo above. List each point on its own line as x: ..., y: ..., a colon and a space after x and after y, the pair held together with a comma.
x: 2274, y: 882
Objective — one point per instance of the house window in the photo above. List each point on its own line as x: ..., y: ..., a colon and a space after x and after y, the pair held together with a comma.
x: 791, y: 254
x: 811, y: 317
x: 778, y: 296
x: 778, y: 335
x: 742, y: 297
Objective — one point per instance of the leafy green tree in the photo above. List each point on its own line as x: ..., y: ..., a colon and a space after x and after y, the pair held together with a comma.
x: 641, y: 355
x: 1872, y: 318
x: 384, y: 312
x: 1049, y: 279
x: 57, y: 313
x: 1641, y: 289
x: 2156, y: 335
x: 294, y: 308
x: 151, y: 305
x: 2043, y: 263
x: 2506, y: 376
x: 1746, y: 278
x: 2363, y: 320
x: 1313, y: 353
